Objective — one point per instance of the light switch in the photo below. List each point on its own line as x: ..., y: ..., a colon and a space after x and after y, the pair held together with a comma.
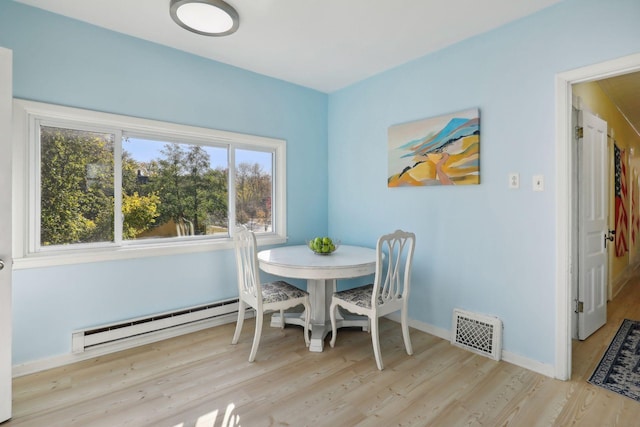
x: 514, y: 180
x: 538, y: 183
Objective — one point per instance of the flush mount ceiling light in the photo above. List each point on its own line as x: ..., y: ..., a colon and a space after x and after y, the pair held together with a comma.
x: 205, y: 17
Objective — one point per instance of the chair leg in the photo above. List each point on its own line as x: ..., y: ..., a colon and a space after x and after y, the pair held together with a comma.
x: 281, y: 319
x: 307, y: 319
x: 256, y: 336
x: 405, y: 331
x: 239, y: 323
x: 334, y: 329
x: 376, y: 342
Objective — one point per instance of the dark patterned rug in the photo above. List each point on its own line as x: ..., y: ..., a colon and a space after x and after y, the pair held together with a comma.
x: 619, y: 369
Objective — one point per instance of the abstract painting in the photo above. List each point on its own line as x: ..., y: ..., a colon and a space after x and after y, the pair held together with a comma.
x: 443, y: 150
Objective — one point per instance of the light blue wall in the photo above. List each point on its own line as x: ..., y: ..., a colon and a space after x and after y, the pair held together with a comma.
x: 62, y: 61
x: 483, y: 248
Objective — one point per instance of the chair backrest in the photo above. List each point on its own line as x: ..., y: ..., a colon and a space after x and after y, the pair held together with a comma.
x: 184, y: 227
x: 392, y: 280
x: 247, y: 266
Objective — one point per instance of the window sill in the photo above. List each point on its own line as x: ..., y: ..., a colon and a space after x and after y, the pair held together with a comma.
x: 69, y: 257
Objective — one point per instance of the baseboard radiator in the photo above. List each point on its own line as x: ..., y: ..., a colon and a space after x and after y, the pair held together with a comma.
x: 478, y: 333
x: 143, y: 330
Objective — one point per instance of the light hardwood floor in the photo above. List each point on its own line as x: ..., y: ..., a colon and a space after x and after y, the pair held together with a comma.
x: 182, y: 381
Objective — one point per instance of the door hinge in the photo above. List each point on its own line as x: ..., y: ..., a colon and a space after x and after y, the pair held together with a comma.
x: 579, y: 132
x: 579, y: 306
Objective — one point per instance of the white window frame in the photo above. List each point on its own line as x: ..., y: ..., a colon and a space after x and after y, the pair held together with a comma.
x: 27, y: 116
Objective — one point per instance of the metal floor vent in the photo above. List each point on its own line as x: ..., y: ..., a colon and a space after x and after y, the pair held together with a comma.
x: 477, y: 333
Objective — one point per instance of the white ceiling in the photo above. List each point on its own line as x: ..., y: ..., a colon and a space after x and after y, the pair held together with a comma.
x: 321, y: 44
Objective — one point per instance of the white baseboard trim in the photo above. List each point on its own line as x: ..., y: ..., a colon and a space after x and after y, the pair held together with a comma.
x: 69, y: 358
x: 421, y: 326
x: 515, y: 359
x: 66, y: 359
x: 530, y: 364
x: 623, y: 278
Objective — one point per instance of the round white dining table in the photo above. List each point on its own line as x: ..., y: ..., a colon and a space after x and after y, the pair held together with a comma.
x: 321, y: 273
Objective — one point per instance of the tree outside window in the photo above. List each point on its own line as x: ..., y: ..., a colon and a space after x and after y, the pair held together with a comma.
x: 168, y: 189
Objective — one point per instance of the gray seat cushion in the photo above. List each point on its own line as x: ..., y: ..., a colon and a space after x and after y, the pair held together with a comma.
x: 280, y: 291
x: 360, y: 296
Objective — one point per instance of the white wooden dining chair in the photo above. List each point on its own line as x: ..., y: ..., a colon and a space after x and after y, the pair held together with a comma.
x: 263, y: 297
x: 388, y: 293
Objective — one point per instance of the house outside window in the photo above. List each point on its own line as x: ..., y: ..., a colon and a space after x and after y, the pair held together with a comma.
x: 102, y: 184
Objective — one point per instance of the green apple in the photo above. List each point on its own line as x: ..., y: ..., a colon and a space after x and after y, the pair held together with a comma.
x: 322, y: 245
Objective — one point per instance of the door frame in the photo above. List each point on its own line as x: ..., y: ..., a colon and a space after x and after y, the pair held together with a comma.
x: 6, y: 189
x: 565, y: 190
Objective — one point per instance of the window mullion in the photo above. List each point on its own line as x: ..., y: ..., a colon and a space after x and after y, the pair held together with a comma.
x: 275, y: 206
x: 34, y: 186
x: 231, y: 214
x: 118, y: 218
x: 279, y: 204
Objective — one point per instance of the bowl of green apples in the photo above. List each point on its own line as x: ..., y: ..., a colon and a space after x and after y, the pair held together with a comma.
x: 323, y: 245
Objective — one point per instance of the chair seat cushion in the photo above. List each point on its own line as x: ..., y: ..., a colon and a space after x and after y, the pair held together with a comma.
x: 360, y: 296
x: 280, y: 291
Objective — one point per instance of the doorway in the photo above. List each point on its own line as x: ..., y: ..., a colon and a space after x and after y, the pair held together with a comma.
x: 566, y: 192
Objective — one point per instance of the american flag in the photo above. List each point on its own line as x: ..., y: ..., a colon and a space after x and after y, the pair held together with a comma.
x: 622, y: 232
x: 635, y: 218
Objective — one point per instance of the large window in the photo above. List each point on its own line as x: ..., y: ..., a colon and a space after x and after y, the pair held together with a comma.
x: 101, y: 184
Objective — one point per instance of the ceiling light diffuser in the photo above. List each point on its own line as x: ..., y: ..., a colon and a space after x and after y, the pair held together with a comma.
x: 205, y: 17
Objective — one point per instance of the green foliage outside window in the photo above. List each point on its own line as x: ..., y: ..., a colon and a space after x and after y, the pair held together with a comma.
x: 76, y: 186
x: 178, y: 188
x: 189, y: 190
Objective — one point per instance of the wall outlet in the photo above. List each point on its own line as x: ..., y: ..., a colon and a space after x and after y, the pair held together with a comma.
x: 538, y: 183
x: 514, y: 180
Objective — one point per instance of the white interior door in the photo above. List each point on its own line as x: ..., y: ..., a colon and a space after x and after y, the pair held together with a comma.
x: 593, y: 207
x: 5, y: 232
